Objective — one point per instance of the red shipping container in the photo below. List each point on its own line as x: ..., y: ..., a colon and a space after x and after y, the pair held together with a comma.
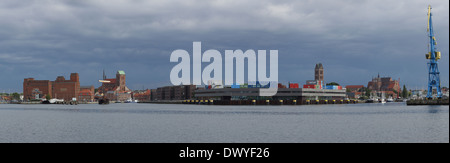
x: 309, y: 86
x: 281, y: 85
x: 293, y: 85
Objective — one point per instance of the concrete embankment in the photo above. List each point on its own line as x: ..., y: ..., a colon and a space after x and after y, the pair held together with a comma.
x: 162, y: 102
x: 428, y: 102
x: 257, y: 102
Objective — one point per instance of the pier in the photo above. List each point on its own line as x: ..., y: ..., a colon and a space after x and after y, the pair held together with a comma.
x: 427, y: 102
x: 270, y: 102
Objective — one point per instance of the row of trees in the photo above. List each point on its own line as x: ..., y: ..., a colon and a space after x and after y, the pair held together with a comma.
x: 14, y: 96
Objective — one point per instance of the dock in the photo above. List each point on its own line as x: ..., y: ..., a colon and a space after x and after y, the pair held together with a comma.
x: 427, y: 102
x: 162, y: 102
x: 269, y: 102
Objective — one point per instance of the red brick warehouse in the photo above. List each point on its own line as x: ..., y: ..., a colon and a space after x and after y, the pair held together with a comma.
x: 60, y: 88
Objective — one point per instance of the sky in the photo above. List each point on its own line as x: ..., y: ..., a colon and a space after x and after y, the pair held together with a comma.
x: 355, y: 40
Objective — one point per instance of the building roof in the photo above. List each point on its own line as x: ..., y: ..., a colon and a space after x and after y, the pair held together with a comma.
x: 392, y: 85
x: 84, y: 92
x: 86, y: 87
x: 319, y: 66
x: 354, y: 86
x: 111, y: 81
x: 121, y: 72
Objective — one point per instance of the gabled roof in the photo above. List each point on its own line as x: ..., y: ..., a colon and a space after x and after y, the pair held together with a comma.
x: 392, y: 85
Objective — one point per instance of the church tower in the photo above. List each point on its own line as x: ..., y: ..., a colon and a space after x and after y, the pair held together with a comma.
x: 120, y: 80
x: 318, y: 72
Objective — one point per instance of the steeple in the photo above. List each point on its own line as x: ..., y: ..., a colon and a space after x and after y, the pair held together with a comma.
x: 104, y: 76
x: 318, y: 72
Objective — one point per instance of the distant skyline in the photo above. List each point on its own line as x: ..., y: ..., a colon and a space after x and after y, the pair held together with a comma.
x: 355, y: 40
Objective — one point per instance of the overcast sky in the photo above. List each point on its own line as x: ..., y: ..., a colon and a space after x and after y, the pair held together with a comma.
x: 354, y: 39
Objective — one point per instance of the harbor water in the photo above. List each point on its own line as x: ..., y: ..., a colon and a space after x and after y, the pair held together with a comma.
x: 166, y: 123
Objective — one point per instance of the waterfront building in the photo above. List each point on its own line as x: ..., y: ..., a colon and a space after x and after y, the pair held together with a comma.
x: 318, y: 82
x: 115, y: 89
x: 380, y: 85
x: 86, y: 94
x: 142, y: 96
x: 66, y: 89
x: 60, y: 88
x: 355, y: 91
x: 36, y: 89
x: 182, y: 92
x: 300, y: 94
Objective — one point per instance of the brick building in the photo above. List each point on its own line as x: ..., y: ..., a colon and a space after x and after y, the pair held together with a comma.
x: 183, y: 92
x: 86, y: 94
x: 116, y: 88
x: 142, y: 96
x: 355, y: 91
x: 385, y: 85
x: 66, y: 89
x: 60, y: 88
x: 318, y: 72
x: 36, y: 89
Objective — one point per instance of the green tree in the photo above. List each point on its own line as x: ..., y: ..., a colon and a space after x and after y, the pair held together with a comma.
x: 368, y: 92
x: 405, y: 92
x: 15, y: 96
x: 333, y: 83
x: 48, y: 97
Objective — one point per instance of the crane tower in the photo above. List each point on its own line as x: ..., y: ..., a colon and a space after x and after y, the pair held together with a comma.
x: 433, y: 56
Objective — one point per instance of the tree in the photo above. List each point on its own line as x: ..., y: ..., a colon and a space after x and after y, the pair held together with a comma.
x: 368, y: 92
x: 15, y: 96
x: 333, y: 83
x: 405, y: 92
x: 48, y: 97
x: 348, y: 91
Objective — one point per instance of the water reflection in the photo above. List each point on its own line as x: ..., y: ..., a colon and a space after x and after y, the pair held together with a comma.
x: 434, y: 109
x: 247, y: 124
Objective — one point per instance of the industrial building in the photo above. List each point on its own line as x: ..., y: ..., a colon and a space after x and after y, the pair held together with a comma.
x: 299, y: 94
x: 312, y: 90
x: 59, y: 89
x: 182, y: 92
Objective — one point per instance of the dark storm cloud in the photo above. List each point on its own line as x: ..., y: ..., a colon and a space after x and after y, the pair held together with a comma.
x: 355, y: 39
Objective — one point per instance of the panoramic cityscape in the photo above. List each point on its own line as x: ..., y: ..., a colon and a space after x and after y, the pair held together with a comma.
x: 254, y: 71
x: 377, y: 89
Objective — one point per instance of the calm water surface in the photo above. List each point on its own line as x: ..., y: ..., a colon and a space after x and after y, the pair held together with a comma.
x: 154, y: 123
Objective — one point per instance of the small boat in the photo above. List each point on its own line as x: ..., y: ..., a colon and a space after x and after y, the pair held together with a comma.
x: 390, y: 99
x: 103, y: 101
x: 383, y: 98
x: 131, y: 101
